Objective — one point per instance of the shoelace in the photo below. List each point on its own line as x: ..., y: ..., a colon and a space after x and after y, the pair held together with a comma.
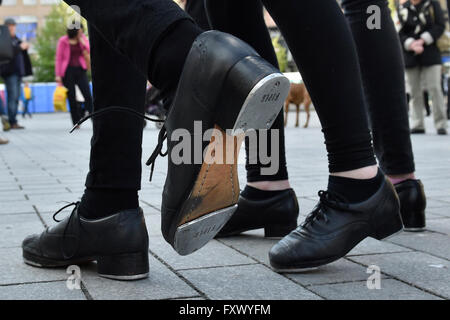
x: 327, y: 200
x: 76, y: 204
x: 162, y: 136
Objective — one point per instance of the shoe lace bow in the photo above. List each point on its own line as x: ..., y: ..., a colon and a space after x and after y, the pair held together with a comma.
x: 327, y: 200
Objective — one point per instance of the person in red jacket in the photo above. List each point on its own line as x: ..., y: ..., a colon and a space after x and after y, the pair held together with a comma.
x: 71, y: 69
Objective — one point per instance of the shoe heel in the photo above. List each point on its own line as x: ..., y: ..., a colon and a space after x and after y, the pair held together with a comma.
x: 279, y: 231
x: 253, y: 95
x: 414, y: 221
x: 193, y: 235
x: 127, y: 266
x: 386, y: 228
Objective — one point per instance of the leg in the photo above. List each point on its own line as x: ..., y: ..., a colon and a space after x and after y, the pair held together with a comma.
x: 426, y: 101
x: 69, y: 82
x: 25, y: 107
x: 381, y: 60
x: 218, y: 80
x: 146, y: 23
x: 116, y: 145
x: 83, y: 84
x: 12, y: 91
x: 4, y: 116
x: 344, y: 120
x: 381, y: 57
x: 432, y: 82
x: 297, y: 119
x: 307, y: 110
x: 347, y: 133
x: 245, y: 20
x: 413, y: 76
x: 286, y: 111
x: 109, y: 206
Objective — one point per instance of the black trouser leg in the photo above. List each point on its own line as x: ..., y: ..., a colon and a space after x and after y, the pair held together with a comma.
x: 381, y: 62
x: 133, y: 28
x: 245, y: 20
x: 116, y: 145
x: 83, y: 84
x: 322, y: 45
x: 69, y: 82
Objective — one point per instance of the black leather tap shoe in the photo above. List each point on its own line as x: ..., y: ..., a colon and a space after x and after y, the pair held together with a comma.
x: 227, y: 86
x: 412, y: 204
x: 335, y: 227
x: 276, y: 215
x: 118, y: 243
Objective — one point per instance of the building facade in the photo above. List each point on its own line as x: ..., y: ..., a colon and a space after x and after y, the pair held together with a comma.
x: 29, y: 15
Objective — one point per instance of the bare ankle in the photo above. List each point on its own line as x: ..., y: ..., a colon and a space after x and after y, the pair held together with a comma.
x: 397, y: 178
x: 361, y: 173
x: 405, y: 176
x: 270, y: 185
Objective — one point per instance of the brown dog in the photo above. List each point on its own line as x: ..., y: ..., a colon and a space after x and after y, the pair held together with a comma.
x: 298, y: 95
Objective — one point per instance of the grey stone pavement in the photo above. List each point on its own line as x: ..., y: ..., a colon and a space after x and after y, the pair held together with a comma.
x: 44, y: 166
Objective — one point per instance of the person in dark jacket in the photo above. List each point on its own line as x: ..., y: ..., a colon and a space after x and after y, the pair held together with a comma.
x: 13, y: 72
x: 422, y: 24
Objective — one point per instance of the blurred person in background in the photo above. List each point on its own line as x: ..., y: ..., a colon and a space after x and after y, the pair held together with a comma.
x: 27, y: 97
x: 422, y: 24
x: 72, y: 62
x: 12, y: 73
x: 4, y: 120
x: 4, y: 116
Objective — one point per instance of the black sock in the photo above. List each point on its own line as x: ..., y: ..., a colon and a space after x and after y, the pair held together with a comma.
x: 355, y: 190
x: 100, y: 203
x: 257, y: 194
x: 167, y: 59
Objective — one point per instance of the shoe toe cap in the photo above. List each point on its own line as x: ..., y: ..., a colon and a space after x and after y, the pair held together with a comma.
x: 285, y: 253
x: 31, y: 244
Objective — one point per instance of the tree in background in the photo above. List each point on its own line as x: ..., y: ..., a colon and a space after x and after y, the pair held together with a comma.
x: 55, y: 26
x: 281, y: 54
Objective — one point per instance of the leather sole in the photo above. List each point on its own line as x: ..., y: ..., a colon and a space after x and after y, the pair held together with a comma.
x: 214, y: 197
x: 215, y: 194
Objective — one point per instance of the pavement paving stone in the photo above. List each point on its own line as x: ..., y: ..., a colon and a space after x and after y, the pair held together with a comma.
x: 441, y: 225
x: 416, y: 268
x: 15, y: 227
x: 390, y: 290
x: 214, y: 254
x: 246, y: 282
x: 161, y: 284
x: 430, y: 242
x: 41, y: 291
x: 339, y: 271
x: 14, y: 271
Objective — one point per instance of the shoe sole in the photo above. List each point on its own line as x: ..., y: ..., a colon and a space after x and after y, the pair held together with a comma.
x: 40, y: 262
x: 193, y: 235
x: 415, y: 229
x: 299, y: 270
x: 257, y: 113
x: 315, y: 264
x: 125, y: 278
x: 305, y: 267
x: 214, y: 197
